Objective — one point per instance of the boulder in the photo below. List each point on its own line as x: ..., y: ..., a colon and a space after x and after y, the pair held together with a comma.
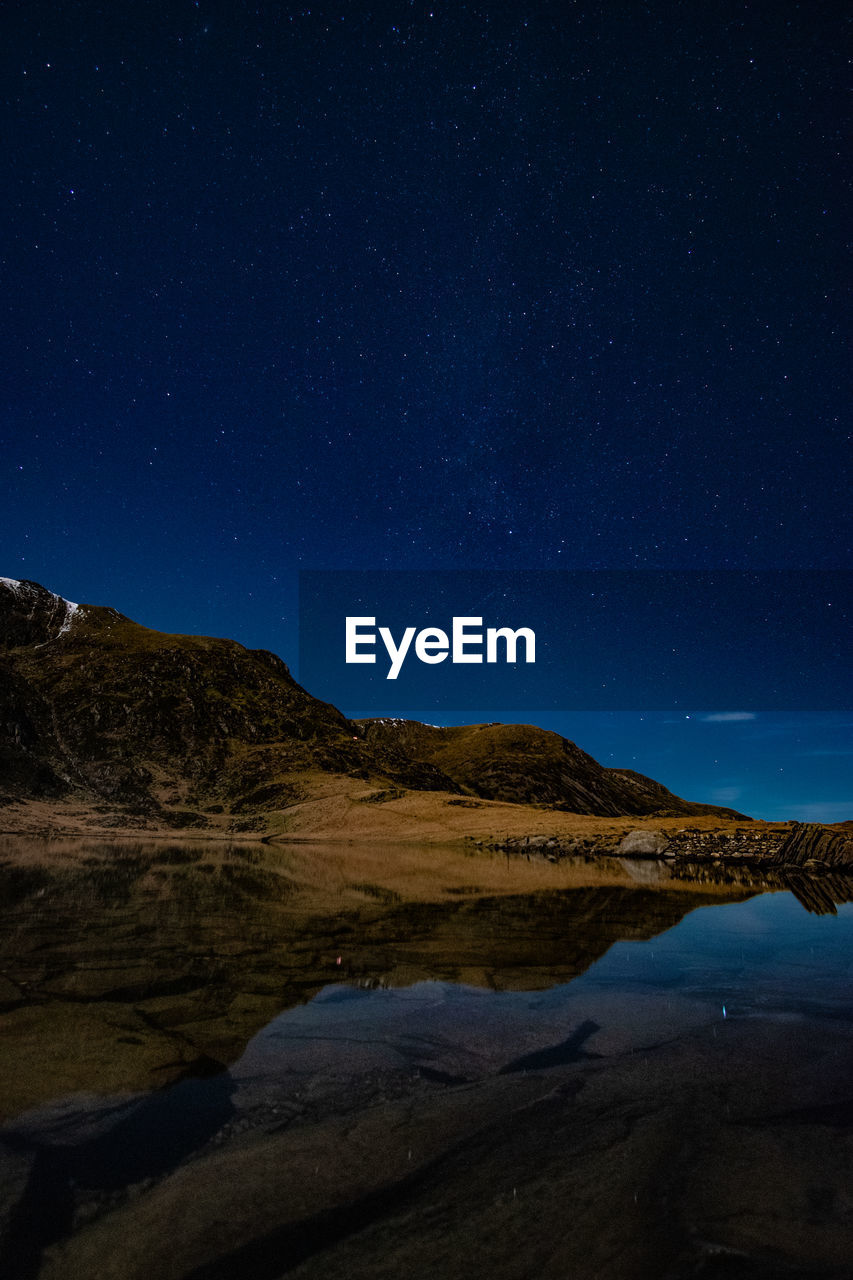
x: 652, y: 843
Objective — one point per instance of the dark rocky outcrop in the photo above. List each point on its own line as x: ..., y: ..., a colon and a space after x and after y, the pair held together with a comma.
x: 90, y: 700
x: 809, y: 843
x: 31, y: 614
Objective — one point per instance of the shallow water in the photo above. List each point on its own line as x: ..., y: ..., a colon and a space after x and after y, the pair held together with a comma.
x: 172, y: 1010
x: 762, y: 958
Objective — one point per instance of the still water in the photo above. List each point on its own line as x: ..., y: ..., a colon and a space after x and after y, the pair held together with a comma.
x: 218, y: 1061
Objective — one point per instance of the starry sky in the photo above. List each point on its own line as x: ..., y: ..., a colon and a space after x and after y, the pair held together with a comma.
x: 414, y: 286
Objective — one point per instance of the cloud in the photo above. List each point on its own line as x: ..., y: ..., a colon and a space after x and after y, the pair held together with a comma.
x: 727, y: 717
x: 726, y: 795
x: 822, y: 811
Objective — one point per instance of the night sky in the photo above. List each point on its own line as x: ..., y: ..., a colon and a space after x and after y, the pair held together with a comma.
x: 429, y: 286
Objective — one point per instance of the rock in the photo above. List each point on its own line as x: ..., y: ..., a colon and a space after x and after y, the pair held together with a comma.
x: 811, y: 843
x: 645, y: 842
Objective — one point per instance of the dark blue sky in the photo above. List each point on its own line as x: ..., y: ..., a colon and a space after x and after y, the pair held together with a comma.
x: 418, y: 286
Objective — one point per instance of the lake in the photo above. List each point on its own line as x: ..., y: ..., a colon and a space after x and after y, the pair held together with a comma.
x: 256, y: 1061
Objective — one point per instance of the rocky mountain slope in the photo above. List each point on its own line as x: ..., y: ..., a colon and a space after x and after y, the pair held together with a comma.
x: 93, y: 704
x: 527, y: 765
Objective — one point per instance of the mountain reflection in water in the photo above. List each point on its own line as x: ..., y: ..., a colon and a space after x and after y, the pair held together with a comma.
x: 168, y: 1003
x: 129, y: 966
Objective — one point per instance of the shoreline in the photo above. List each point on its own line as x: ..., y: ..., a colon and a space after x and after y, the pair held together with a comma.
x: 535, y: 836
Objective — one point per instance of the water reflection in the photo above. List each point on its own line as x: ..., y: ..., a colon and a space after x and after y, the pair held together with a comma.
x: 160, y: 1001
x: 125, y: 967
x: 129, y: 966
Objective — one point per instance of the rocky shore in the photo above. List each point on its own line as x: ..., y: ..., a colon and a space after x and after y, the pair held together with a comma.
x: 808, y: 847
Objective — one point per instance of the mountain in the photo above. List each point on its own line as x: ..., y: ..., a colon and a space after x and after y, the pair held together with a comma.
x: 91, y: 700
x: 526, y: 765
x: 93, y: 705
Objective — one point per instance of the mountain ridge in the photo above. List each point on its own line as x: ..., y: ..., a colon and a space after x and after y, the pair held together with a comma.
x: 93, y: 704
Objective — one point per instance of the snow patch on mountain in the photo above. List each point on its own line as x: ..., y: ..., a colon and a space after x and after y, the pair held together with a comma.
x: 30, y: 589
x: 70, y: 609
